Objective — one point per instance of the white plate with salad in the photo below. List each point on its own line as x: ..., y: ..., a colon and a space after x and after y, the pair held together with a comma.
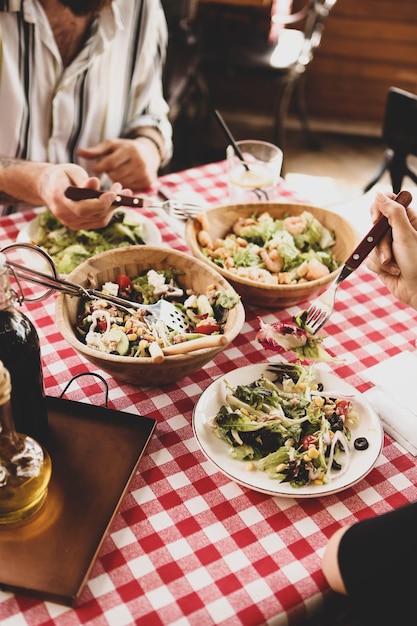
x: 68, y: 248
x: 362, y: 429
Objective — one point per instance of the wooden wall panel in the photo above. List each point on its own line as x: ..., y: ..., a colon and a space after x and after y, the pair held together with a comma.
x: 367, y: 47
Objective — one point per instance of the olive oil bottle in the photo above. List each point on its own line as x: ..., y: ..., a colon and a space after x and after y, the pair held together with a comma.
x: 25, y: 466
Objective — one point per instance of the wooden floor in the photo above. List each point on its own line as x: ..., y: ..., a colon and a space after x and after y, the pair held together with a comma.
x: 352, y: 160
x: 338, y: 171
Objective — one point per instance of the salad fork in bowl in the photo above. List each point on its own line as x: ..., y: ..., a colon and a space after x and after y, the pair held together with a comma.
x: 321, y: 309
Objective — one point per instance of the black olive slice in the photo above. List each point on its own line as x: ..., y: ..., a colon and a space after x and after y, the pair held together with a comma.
x: 361, y: 443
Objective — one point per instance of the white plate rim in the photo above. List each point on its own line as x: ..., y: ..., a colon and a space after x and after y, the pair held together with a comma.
x: 216, y: 450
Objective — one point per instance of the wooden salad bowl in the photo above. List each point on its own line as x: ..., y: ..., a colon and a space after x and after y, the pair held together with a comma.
x: 219, y: 220
x: 133, y: 261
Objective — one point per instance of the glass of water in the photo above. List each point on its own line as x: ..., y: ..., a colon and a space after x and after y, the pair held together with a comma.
x: 255, y: 178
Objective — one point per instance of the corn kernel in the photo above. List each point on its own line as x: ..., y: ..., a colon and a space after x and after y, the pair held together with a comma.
x: 312, y: 452
x: 306, y: 458
x: 132, y: 337
x: 317, y: 481
x: 319, y: 401
x: 250, y: 466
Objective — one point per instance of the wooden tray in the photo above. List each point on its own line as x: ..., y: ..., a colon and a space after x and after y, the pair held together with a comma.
x: 95, y: 452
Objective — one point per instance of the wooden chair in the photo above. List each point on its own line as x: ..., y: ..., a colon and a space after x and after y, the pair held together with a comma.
x: 399, y: 133
x: 236, y: 46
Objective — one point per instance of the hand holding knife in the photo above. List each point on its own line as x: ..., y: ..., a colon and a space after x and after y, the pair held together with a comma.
x: 80, y: 193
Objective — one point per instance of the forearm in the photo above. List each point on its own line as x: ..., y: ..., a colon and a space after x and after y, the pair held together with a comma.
x: 20, y: 181
x: 330, y: 562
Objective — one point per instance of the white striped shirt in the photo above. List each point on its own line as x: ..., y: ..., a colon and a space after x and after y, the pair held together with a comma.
x: 112, y: 87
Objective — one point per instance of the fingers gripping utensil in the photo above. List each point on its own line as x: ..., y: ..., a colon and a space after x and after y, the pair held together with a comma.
x: 321, y: 309
x: 172, y: 207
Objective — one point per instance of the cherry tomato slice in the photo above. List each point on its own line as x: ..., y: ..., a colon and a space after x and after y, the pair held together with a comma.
x: 125, y: 284
x: 308, y: 440
x: 102, y: 325
x: 343, y: 407
x: 207, y: 327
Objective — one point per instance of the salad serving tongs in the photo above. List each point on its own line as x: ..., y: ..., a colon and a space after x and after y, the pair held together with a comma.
x: 321, y: 309
x: 172, y: 207
x: 162, y: 310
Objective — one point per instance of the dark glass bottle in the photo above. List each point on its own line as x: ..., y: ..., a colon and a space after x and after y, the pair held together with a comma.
x: 20, y: 353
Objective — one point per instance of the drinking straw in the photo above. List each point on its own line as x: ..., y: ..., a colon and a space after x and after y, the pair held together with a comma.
x: 230, y: 137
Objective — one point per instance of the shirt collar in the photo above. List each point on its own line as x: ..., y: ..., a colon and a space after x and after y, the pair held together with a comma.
x: 10, y: 6
x: 110, y: 20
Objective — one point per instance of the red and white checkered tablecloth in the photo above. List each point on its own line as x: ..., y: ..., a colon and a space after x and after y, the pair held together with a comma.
x: 189, y: 546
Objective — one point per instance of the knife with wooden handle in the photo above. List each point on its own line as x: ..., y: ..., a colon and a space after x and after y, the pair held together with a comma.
x: 80, y: 193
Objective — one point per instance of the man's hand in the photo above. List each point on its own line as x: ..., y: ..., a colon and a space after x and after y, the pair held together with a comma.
x: 88, y: 214
x: 132, y: 162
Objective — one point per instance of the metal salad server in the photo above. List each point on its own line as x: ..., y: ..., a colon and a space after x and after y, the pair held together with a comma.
x: 162, y: 310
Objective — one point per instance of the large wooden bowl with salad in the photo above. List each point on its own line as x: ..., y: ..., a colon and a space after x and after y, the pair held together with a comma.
x: 134, y: 346
x: 274, y: 254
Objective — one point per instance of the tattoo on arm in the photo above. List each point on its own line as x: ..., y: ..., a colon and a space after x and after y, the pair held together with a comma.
x: 6, y: 199
x: 5, y: 163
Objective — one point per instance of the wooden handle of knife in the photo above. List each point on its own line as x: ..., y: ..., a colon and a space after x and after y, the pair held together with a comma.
x: 374, y: 236
x: 80, y: 193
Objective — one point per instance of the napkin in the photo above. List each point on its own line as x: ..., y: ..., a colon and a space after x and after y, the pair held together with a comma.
x: 394, y: 397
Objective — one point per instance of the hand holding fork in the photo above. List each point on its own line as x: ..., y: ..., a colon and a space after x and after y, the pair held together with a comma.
x: 321, y: 309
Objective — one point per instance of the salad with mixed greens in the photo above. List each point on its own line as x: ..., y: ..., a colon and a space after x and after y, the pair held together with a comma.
x: 288, y: 427
x: 134, y: 332
x: 68, y: 248
x: 291, y: 250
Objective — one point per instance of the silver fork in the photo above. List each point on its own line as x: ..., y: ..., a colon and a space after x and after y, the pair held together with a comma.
x: 321, y: 309
x: 176, y: 209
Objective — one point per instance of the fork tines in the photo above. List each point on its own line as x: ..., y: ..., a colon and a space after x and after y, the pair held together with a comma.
x: 316, y: 318
x: 185, y: 211
x: 320, y: 310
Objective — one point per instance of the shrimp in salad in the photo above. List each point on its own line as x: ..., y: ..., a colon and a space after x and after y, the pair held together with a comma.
x: 291, y: 250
